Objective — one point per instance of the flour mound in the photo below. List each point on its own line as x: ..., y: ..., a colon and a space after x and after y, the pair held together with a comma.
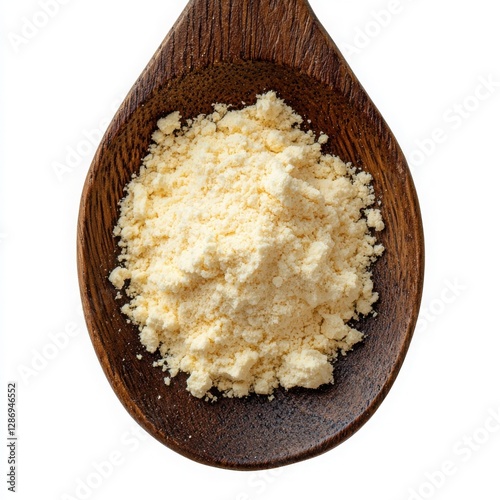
x: 246, y: 251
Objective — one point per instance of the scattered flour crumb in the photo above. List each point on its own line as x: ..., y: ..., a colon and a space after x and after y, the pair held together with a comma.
x: 374, y: 219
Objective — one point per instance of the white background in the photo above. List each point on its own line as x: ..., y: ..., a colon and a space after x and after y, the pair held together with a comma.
x: 423, y: 66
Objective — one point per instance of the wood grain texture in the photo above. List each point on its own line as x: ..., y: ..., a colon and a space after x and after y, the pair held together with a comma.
x: 229, y: 51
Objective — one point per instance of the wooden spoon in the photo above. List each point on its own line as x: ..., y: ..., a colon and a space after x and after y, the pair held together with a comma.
x: 228, y: 51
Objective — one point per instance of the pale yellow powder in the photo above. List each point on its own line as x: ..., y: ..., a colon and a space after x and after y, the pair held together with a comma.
x: 245, y: 250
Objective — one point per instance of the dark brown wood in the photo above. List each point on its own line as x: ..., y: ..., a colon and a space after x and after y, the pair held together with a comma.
x: 228, y: 51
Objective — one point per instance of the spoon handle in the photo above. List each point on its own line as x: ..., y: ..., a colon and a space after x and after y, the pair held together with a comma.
x: 285, y: 32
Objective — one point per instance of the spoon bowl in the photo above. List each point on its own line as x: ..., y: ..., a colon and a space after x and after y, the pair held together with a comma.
x: 229, y: 51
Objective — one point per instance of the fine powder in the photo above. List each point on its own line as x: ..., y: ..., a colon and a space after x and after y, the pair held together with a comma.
x: 246, y: 251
